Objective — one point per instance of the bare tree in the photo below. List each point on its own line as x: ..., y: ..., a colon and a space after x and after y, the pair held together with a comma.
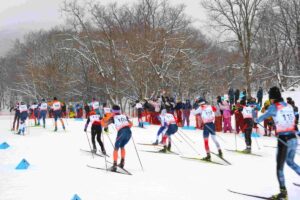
x: 239, y: 18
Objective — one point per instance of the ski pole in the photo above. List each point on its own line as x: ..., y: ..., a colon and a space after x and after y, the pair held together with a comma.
x: 87, y: 137
x: 104, y: 155
x: 187, y: 136
x: 280, y: 140
x: 216, y: 134
x: 235, y: 142
x: 177, y: 138
x: 257, y: 140
x: 110, y: 140
x: 137, y: 152
x: 175, y: 145
x: 188, y: 143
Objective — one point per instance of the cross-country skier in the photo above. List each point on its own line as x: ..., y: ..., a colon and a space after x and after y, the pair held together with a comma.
x: 106, y: 110
x: 139, y: 108
x: 248, y: 115
x: 23, y: 116
x: 96, y: 130
x: 171, y: 128
x: 34, y: 112
x: 162, y: 129
x: 56, y: 106
x: 16, y: 117
x: 284, y: 119
x: 123, y: 125
x: 43, y: 108
x: 95, y: 106
x: 206, y: 112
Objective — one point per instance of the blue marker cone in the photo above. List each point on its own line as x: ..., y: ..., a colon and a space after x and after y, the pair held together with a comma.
x: 189, y: 128
x: 146, y: 123
x: 4, y: 145
x: 76, y: 197
x: 24, y: 164
x: 253, y: 134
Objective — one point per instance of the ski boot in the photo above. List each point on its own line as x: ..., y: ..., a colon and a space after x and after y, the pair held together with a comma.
x: 64, y: 127
x: 207, y: 158
x: 103, y: 152
x: 44, y: 126
x: 55, y: 129
x: 114, y: 167
x: 220, y: 153
x: 169, y: 147
x: 281, y: 196
x: 122, y: 163
x: 164, y: 150
x: 155, y: 143
x: 247, y: 150
x: 94, y: 150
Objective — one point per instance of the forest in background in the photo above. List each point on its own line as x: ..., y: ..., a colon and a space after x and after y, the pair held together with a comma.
x: 122, y: 53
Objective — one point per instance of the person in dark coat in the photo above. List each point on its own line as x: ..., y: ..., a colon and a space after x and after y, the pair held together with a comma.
x: 231, y: 96
x: 236, y: 95
x: 244, y: 95
x: 186, y: 111
x: 259, y: 96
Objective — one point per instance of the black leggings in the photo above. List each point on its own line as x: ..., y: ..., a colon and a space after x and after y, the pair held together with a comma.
x: 16, y: 119
x: 96, y: 132
x: 286, y: 153
x: 248, y: 123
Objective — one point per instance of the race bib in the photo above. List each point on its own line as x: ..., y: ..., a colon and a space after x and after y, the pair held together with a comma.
x: 207, y: 114
x: 23, y: 108
x: 34, y: 107
x: 44, y: 106
x: 121, y: 121
x: 169, y: 119
x: 106, y: 110
x: 94, y: 118
x: 285, y: 118
x: 247, y: 112
x: 95, y: 105
x: 56, y: 106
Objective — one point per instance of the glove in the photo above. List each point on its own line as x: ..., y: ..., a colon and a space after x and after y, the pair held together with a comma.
x: 85, y: 130
x: 106, y: 130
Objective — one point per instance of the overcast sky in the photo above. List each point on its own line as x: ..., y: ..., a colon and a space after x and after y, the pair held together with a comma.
x: 47, y: 12
x: 17, y: 17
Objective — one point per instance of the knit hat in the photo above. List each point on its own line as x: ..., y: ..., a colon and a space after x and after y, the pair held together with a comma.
x: 116, y: 109
x: 274, y: 93
x: 201, y: 101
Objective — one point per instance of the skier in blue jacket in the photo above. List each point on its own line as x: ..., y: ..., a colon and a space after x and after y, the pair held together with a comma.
x: 284, y: 119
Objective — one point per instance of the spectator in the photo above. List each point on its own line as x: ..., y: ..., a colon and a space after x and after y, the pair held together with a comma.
x: 226, y: 116
x: 239, y: 120
x: 236, y: 95
x: 218, y: 116
x: 231, y: 96
x: 244, y: 95
x: 178, y: 108
x: 259, y: 96
x: 87, y: 110
x: 186, y: 111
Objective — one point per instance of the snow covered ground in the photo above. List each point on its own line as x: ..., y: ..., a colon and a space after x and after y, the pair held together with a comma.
x: 58, y: 167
